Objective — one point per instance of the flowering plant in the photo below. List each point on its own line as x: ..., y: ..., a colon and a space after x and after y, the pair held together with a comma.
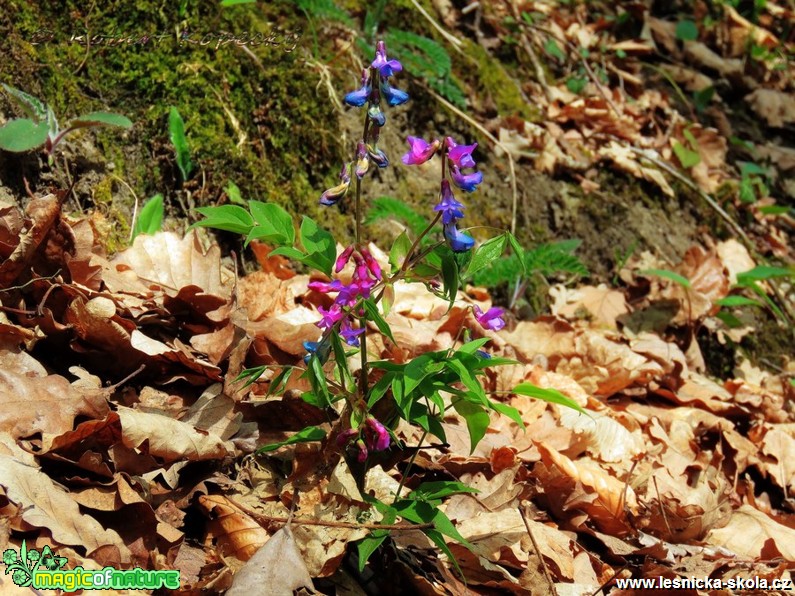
x: 422, y: 391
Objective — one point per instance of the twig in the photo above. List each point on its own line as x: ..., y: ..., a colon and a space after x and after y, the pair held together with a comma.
x: 259, y: 518
x: 662, y: 507
x: 452, y: 39
x: 612, y: 577
x: 493, y: 139
x: 538, y: 552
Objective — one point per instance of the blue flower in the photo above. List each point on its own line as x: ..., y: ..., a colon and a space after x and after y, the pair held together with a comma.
x: 457, y: 240
x: 361, y: 95
x: 377, y: 156
x: 393, y: 96
x: 321, y: 349
x: 466, y: 182
x: 450, y: 208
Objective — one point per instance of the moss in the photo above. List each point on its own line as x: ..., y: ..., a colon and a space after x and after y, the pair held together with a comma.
x: 495, y: 81
x: 224, y: 96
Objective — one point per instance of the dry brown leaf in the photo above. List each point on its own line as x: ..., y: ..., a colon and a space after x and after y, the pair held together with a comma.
x: 604, y: 438
x: 626, y: 159
x: 169, y: 439
x: 277, y: 568
x: 235, y: 532
x: 752, y: 534
x: 777, y: 108
x: 601, y: 303
x: 47, y: 404
x: 46, y: 504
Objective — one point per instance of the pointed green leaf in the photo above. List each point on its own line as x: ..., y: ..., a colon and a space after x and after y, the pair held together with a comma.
x: 100, y: 119
x: 150, y: 219
x: 176, y: 127
x: 551, y: 395
x: 306, y: 435
x: 675, y: 277
x: 730, y: 301
x: 229, y: 218
x: 477, y: 419
x: 374, y: 315
x: 32, y: 106
x: 487, y: 253
x: 319, y: 245
x: 274, y: 224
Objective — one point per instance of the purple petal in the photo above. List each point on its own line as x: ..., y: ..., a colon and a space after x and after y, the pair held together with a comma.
x: 466, y: 182
x: 460, y: 155
x: 378, y: 439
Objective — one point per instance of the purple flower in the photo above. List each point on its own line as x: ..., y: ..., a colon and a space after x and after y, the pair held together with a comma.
x: 362, y: 456
x: 358, y: 97
x: 460, y: 155
x: 362, y: 160
x: 349, y: 334
x: 466, y: 182
x: 376, y: 436
x: 385, y: 67
x: 420, y: 151
x: 457, y: 240
x: 372, y: 264
x: 330, y: 317
x: 322, y: 286
x: 450, y: 208
x: 491, y: 319
x: 345, y: 437
x: 332, y: 195
x: 393, y: 96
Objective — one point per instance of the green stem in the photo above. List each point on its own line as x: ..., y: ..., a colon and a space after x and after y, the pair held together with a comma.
x: 411, y: 463
x: 414, y: 246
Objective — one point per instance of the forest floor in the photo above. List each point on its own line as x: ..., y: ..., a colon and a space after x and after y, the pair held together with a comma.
x: 642, y: 154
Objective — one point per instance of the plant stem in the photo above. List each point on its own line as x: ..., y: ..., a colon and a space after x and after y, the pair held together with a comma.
x: 408, y: 467
x: 414, y: 246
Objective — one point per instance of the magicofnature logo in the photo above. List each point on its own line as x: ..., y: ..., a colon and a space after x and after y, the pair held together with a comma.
x: 44, y: 571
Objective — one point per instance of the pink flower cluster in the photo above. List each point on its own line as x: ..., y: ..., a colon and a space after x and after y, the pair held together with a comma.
x: 366, y: 274
x: 370, y: 436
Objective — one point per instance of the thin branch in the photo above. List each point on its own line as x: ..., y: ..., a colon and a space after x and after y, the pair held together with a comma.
x: 263, y: 519
x: 452, y: 39
x: 538, y: 551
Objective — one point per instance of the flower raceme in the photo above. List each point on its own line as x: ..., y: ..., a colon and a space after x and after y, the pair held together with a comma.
x: 374, y: 87
x: 366, y: 273
x: 458, y: 157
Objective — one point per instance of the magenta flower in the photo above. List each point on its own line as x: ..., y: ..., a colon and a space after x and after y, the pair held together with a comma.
x: 376, y: 436
x: 372, y: 264
x: 457, y: 240
x: 385, y: 67
x: 460, y: 155
x: 420, y: 150
x: 491, y: 319
x: 466, y: 182
x: 450, y: 208
x: 345, y: 436
x: 342, y: 260
x: 330, y: 317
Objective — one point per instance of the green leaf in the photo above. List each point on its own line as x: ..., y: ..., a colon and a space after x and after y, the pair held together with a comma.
x: 687, y: 157
x: 250, y: 375
x: 762, y: 272
x: 233, y: 192
x: 487, y: 253
x: 400, y: 248
x: 319, y: 245
x: 274, y: 224
x: 703, y: 97
x: 477, y: 419
x: 552, y: 48
x: 22, y: 135
x: 576, y: 84
x: 686, y: 30
x: 176, y: 127
x: 280, y: 380
x: 368, y: 545
x: 428, y: 491
x: 306, y: 435
x: 449, y: 275
x: 437, y: 538
x: 675, y: 277
x: 150, y: 219
x: 549, y: 395
x: 32, y: 106
x: 730, y: 301
x: 374, y: 315
x: 100, y: 119
x: 236, y: 2
x: 775, y: 209
x: 229, y: 218
x: 467, y: 378
x: 418, y: 369
x: 508, y: 411
x: 518, y: 251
